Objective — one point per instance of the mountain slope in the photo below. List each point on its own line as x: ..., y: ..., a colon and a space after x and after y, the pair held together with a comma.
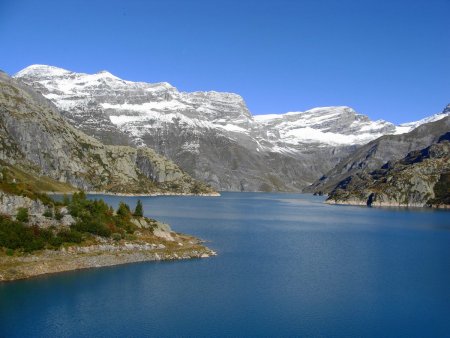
x: 374, y: 154
x: 35, y: 136
x: 211, y: 135
x: 419, y: 179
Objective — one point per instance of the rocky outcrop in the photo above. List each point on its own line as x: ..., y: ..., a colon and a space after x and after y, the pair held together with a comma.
x: 211, y: 135
x: 33, y: 134
x: 10, y: 204
x: 374, y: 154
x: 422, y: 178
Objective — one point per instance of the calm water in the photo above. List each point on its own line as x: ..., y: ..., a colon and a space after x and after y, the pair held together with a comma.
x: 288, y: 265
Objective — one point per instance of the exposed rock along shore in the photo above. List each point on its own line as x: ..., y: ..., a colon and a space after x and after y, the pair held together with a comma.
x: 210, y: 194
x: 383, y: 204
x: 152, y: 241
x: 95, y: 256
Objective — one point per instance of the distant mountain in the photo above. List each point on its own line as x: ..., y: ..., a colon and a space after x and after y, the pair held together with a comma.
x: 211, y: 135
x: 37, y: 141
x: 422, y: 178
x: 376, y: 153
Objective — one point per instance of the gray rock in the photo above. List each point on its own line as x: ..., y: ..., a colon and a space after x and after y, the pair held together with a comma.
x: 10, y: 204
x: 34, y: 135
x: 376, y: 153
x: 211, y: 135
x: 422, y: 178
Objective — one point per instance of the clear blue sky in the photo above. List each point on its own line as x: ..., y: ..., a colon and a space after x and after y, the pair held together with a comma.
x: 386, y: 59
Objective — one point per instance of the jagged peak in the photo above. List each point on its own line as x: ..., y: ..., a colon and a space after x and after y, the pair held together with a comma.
x: 331, y: 109
x: 323, y: 111
x: 106, y: 73
x: 216, y: 95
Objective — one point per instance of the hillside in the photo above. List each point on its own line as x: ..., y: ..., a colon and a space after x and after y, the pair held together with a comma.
x: 212, y: 135
x: 422, y: 178
x: 374, y: 154
x: 35, y: 137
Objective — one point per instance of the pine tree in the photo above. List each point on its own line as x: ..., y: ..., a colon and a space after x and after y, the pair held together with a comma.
x: 123, y: 210
x: 139, y: 211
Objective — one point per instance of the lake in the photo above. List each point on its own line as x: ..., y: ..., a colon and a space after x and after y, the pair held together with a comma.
x: 287, y: 265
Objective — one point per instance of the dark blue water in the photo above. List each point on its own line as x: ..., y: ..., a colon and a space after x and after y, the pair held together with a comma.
x: 288, y: 265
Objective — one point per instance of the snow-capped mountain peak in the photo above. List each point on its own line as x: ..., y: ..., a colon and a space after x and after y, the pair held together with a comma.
x: 211, y: 134
x: 41, y: 71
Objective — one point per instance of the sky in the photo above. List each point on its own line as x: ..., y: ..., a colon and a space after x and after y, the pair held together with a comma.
x: 386, y: 59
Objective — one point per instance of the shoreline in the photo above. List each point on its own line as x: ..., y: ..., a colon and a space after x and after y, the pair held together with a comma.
x: 98, y: 255
x: 387, y: 205
x: 211, y: 194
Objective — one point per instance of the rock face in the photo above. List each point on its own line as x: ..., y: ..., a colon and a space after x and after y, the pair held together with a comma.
x: 33, y: 134
x: 211, y: 135
x: 10, y: 204
x: 422, y: 178
x: 374, y: 154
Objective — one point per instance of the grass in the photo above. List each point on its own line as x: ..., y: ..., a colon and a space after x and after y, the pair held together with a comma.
x: 28, y: 182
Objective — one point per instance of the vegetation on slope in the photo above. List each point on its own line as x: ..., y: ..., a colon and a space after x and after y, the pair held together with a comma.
x: 16, y: 181
x: 93, y: 217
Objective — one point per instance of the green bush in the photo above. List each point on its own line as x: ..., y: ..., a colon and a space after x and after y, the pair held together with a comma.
x: 116, y: 236
x: 70, y: 236
x: 48, y: 213
x: 93, y: 217
x: 22, y: 215
x: 93, y: 226
x: 58, y: 215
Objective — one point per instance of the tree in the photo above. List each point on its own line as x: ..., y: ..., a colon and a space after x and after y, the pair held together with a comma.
x: 123, y: 210
x: 22, y: 215
x: 139, y: 211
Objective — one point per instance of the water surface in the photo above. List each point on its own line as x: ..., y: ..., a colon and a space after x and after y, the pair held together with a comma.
x: 288, y: 265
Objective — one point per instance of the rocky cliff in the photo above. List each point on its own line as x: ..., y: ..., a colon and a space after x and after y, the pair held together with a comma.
x: 422, y: 178
x: 211, y: 135
x: 374, y: 154
x: 34, y: 135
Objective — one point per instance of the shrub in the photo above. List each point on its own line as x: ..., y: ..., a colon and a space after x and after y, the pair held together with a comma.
x: 70, y: 236
x: 56, y: 242
x: 116, y: 236
x: 48, y: 213
x: 22, y: 215
x: 92, y: 226
x: 58, y: 215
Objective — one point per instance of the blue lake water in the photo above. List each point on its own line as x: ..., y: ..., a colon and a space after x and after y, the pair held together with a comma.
x: 288, y: 265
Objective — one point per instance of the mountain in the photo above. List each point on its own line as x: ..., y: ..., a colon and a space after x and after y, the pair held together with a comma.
x: 36, y: 139
x: 422, y: 178
x: 211, y: 135
x: 376, y: 153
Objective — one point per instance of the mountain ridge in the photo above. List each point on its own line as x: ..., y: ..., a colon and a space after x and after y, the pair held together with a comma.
x: 376, y: 153
x: 34, y: 135
x: 421, y: 178
x: 211, y: 135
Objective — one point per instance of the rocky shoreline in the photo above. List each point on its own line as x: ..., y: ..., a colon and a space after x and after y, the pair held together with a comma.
x: 102, y: 253
x: 209, y: 194
x: 386, y: 204
x: 106, y: 193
